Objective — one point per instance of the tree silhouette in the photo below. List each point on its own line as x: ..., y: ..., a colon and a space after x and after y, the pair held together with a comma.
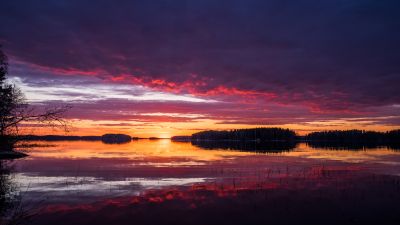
x: 3, y: 67
x: 14, y: 109
x: 261, y: 134
x: 354, y: 139
x: 355, y: 136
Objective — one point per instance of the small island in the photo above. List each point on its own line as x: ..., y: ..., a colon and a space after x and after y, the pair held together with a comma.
x: 116, y: 138
x: 155, y: 138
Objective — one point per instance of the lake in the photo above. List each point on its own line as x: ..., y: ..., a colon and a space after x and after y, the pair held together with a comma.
x: 166, y: 182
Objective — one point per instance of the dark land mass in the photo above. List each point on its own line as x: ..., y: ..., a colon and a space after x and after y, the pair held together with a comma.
x: 59, y: 138
x: 262, y: 134
x: 156, y: 138
x: 116, y: 138
x: 355, y: 136
x: 354, y: 139
x: 106, y: 138
x: 11, y: 155
x: 279, y: 134
x: 277, y: 139
x: 253, y: 146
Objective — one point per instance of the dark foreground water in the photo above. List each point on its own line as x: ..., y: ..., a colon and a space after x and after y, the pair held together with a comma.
x: 164, y: 182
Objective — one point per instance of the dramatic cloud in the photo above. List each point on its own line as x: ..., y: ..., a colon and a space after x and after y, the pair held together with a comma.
x: 247, y: 62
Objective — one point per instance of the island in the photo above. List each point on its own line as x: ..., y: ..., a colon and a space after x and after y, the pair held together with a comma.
x: 279, y: 139
x: 253, y: 134
x: 116, y: 138
x: 353, y: 139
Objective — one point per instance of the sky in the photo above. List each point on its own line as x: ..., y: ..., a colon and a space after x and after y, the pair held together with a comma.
x: 172, y: 67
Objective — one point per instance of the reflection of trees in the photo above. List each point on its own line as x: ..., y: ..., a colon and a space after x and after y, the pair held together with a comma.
x: 7, y: 188
x: 250, y: 146
x: 353, y: 145
x: 11, y: 210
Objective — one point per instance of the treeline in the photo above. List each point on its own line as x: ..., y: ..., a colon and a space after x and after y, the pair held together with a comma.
x: 262, y: 134
x: 354, y: 145
x: 58, y: 138
x: 355, y: 136
x: 106, y: 138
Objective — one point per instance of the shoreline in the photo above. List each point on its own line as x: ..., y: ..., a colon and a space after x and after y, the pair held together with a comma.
x: 11, y: 154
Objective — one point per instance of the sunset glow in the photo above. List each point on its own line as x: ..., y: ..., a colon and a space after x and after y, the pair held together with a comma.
x: 196, y: 112
x: 158, y: 69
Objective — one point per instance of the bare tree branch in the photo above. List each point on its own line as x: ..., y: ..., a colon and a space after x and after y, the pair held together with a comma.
x: 15, y: 111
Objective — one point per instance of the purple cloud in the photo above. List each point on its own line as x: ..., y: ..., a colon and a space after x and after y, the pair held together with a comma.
x: 283, y: 61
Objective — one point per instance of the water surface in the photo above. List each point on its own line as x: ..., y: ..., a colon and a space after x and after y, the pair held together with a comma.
x: 165, y: 182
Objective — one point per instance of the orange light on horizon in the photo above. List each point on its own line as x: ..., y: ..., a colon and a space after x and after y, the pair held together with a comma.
x: 169, y: 129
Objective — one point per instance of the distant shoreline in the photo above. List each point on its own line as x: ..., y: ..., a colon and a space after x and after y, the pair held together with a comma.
x: 72, y: 138
x: 255, y: 140
x: 63, y: 138
x: 252, y: 134
x: 245, y: 145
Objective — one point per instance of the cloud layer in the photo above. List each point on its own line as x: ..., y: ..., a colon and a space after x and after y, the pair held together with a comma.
x: 283, y: 61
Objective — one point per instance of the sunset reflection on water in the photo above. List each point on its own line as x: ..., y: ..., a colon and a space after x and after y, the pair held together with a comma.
x: 71, y: 177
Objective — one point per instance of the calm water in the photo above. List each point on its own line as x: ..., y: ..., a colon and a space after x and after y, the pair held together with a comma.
x: 165, y: 182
